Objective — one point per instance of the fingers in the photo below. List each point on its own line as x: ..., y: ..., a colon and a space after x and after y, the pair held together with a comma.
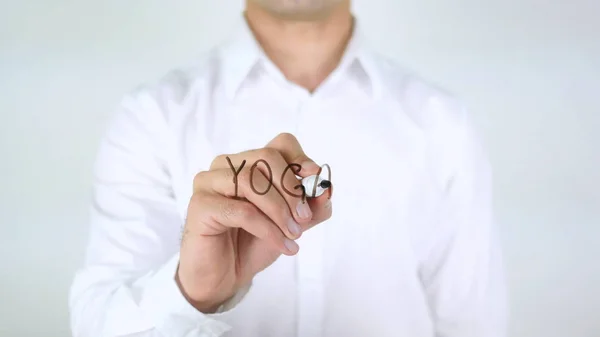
x: 276, y: 169
x: 257, y: 189
x: 220, y: 213
x: 291, y: 151
x: 278, y: 163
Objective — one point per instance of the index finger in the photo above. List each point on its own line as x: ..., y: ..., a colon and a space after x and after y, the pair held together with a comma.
x: 291, y: 150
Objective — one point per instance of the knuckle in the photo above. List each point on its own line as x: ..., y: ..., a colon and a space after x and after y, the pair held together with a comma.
x: 198, y: 207
x: 227, y: 209
x: 231, y: 209
x: 196, y: 199
x: 229, y: 174
x: 217, y: 161
x: 286, y: 137
x: 199, y: 178
x: 243, y: 177
x: 269, y: 154
x: 246, y: 210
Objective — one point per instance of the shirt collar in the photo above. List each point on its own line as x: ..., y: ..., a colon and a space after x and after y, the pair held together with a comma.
x: 242, y: 53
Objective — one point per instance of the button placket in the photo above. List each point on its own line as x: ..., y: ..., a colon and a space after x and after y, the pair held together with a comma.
x: 310, y: 258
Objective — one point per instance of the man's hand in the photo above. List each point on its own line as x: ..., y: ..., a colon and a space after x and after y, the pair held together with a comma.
x: 228, y: 240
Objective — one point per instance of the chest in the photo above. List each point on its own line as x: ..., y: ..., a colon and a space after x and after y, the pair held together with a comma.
x: 381, y: 194
x: 377, y: 160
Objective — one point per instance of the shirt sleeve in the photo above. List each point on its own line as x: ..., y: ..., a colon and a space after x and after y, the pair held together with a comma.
x: 463, y: 274
x: 127, y: 285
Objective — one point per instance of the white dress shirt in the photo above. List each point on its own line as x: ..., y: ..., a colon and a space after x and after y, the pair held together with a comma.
x: 409, y: 251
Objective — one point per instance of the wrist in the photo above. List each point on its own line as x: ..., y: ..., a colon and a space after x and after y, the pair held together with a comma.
x: 207, y: 303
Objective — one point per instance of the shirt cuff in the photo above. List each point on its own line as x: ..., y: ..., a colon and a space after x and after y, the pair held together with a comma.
x: 173, y: 315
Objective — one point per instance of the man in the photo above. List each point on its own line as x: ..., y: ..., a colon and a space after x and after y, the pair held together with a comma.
x: 193, y: 235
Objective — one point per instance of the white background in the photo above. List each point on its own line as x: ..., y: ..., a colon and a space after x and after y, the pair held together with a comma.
x: 529, y: 70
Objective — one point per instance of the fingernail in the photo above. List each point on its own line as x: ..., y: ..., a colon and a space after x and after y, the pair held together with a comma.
x: 303, y: 210
x: 328, y: 204
x: 291, y: 246
x: 294, y: 227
